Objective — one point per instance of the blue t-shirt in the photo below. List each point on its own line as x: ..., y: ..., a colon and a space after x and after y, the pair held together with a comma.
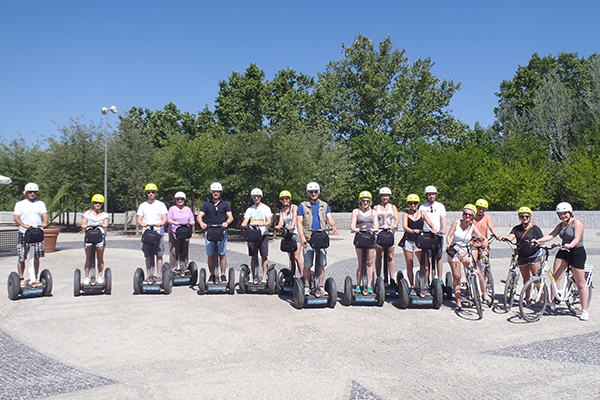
x: 316, y: 222
x: 215, y: 214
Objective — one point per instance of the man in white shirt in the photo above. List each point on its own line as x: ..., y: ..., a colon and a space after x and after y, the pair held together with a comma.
x: 437, y: 214
x: 154, y: 213
x: 29, y: 213
x: 258, y: 214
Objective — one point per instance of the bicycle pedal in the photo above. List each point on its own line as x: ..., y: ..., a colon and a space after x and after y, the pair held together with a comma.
x: 503, y: 280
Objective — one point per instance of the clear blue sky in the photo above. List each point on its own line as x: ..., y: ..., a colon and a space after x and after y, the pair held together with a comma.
x: 65, y: 59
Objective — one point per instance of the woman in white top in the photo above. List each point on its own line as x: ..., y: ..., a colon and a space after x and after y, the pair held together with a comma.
x: 387, y: 213
x: 95, y: 217
x: 461, y: 232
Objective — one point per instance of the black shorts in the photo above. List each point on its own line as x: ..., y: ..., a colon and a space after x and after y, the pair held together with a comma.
x: 575, y: 257
x: 262, y: 246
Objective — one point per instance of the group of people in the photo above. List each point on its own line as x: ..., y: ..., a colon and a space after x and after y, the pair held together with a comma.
x: 314, y: 214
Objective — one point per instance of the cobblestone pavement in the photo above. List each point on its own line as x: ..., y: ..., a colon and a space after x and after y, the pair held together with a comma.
x: 259, y: 346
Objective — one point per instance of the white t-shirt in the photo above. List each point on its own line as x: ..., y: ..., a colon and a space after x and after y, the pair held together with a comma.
x: 30, y: 212
x: 152, y: 213
x: 95, y: 220
x: 257, y: 214
x: 435, y: 212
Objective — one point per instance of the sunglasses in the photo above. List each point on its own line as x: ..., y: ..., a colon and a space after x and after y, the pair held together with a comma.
x: 525, y: 216
x: 179, y: 199
x: 412, y: 203
x: 151, y: 191
x: 313, y: 192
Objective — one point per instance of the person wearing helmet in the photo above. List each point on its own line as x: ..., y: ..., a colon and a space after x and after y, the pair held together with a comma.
x: 179, y: 214
x: 364, y: 218
x: 216, y: 211
x: 413, y: 221
x: 313, y: 214
x: 572, y: 253
x: 259, y: 214
x: 484, y: 223
x: 288, y: 217
x: 30, y: 212
x: 96, y: 217
x: 387, y: 213
x: 528, y: 252
x: 153, y: 212
x: 437, y: 213
x: 461, y: 232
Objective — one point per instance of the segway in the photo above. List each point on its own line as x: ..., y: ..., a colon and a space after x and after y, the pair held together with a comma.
x: 93, y: 235
x: 256, y: 285
x: 364, y: 240
x: 215, y: 234
x: 152, y: 284
x: 32, y: 236
x: 183, y: 276
x: 385, y: 239
x: 285, y: 276
x: 429, y: 243
x: 319, y: 240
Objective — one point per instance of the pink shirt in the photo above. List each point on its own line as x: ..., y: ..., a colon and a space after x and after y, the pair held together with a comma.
x: 183, y: 216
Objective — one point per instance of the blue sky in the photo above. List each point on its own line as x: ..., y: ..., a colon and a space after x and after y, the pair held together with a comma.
x: 68, y: 59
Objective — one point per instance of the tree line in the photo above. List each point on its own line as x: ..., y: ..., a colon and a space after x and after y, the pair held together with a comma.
x: 370, y: 119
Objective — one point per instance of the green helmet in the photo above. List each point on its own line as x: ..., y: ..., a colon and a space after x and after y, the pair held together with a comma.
x: 151, y: 186
x: 482, y: 203
x: 524, y: 210
x: 411, y: 198
x: 365, y: 195
x: 471, y: 208
x: 285, y: 193
x: 97, y: 198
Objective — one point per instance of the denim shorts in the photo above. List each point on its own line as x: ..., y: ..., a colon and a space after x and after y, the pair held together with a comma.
x: 210, y: 246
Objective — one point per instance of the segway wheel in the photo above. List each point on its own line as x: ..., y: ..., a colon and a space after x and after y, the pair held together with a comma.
x: 231, y: 281
x: 138, y: 278
x: 331, y: 289
x: 166, y: 265
x: 380, y: 291
x: 448, y: 285
x: 298, y: 294
x: 167, y: 283
x: 107, y: 281
x: 13, y: 286
x: 193, y: 268
x: 271, y: 285
x: 436, y: 291
x: 46, y: 279
x: 77, y: 282
x: 202, y: 281
x: 243, y: 280
x: 348, y: 291
x: 282, y: 279
x: 403, y: 293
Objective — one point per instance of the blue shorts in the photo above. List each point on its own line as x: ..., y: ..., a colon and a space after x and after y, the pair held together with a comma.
x: 101, y: 244
x: 210, y: 246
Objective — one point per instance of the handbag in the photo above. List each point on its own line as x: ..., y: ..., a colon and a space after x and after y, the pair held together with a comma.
x: 93, y: 236
x: 288, y: 245
x: 402, y: 241
x: 428, y: 241
x: 319, y: 240
x: 253, y: 235
x: 150, y: 237
x: 215, y: 234
x: 385, y: 239
x: 34, y: 235
x: 451, y: 251
x: 363, y: 240
x: 183, y: 232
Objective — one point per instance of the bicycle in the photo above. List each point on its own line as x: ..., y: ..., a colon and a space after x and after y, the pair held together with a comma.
x: 543, y: 284
x: 483, y: 260
x: 472, y: 284
x: 512, y: 280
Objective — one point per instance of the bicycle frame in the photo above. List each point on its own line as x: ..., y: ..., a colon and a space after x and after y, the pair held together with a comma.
x: 471, y: 276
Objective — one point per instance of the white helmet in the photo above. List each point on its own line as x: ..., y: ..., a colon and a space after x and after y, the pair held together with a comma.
x: 256, y: 192
x: 385, y: 190
x: 180, y: 195
x: 31, y: 187
x: 313, y: 186
x: 216, y: 187
x: 430, y: 189
x: 564, y: 207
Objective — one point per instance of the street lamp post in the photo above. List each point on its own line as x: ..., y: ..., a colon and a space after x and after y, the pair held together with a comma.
x: 105, y: 110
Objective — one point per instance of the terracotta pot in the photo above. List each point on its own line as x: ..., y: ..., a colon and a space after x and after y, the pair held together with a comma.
x: 50, y: 238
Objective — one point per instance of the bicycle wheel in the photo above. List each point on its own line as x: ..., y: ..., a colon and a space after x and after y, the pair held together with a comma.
x: 572, y: 298
x: 489, y: 279
x: 475, y: 294
x: 532, y: 307
x: 510, y: 288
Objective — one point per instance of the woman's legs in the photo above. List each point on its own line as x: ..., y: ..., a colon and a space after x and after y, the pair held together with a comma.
x: 455, y: 268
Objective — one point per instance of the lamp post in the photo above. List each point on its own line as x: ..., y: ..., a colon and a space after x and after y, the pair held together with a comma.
x: 105, y: 110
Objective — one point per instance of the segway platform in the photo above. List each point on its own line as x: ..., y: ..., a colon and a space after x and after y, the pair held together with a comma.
x: 185, y: 278
x: 256, y: 285
x: 153, y: 285
x: 93, y: 287
x: 15, y: 291
x: 364, y: 298
x: 205, y: 286
x: 316, y: 298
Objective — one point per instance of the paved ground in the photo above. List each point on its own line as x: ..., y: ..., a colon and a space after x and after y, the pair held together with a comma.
x: 260, y: 346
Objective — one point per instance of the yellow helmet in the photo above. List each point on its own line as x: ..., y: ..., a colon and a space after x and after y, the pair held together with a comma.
x: 151, y: 186
x: 365, y: 195
x: 285, y: 193
x: 97, y: 198
x: 524, y: 210
x: 471, y: 208
x: 482, y: 203
x: 411, y: 198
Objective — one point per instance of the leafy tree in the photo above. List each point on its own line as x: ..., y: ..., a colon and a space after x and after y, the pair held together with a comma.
x: 20, y: 162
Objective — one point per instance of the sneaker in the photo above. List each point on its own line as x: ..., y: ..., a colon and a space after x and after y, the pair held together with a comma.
x: 393, y: 283
x: 322, y: 290
x: 584, y: 316
x: 487, y: 299
x: 86, y: 281
x: 223, y: 279
x: 100, y: 280
x: 441, y: 282
x: 370, y: 290
x: 22, y: 283
x: 413, y: 292
x: 213, y: 279
x: 458, y: 307
x: 306, y: 291
x: 264, y: 279
x: 358, y: 289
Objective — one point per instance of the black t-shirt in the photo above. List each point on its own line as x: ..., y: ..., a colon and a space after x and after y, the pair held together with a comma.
x: 526, y: 249
x: 215, y: 214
